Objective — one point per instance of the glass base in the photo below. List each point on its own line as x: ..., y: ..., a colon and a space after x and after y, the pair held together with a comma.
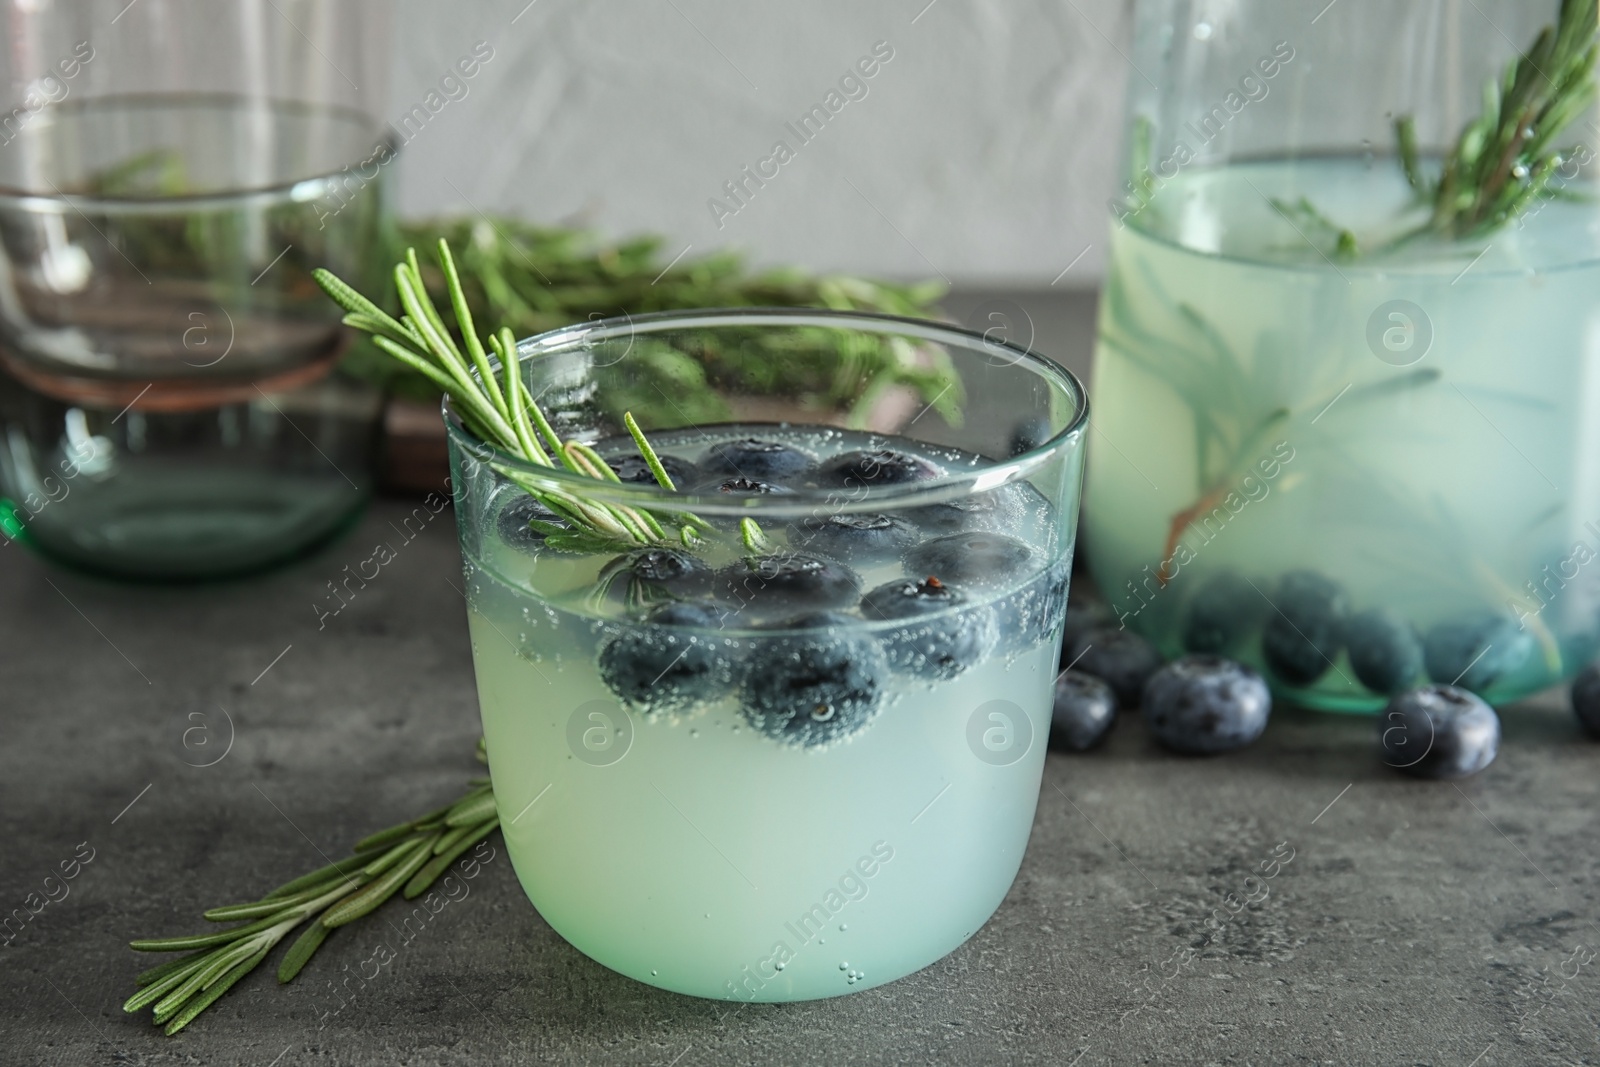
x: 190, y: 526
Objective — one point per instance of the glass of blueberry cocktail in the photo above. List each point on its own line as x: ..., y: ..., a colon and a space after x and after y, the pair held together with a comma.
x: 787, y: 743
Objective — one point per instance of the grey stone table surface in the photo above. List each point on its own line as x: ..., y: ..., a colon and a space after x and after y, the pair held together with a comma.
x: 1416, y: 923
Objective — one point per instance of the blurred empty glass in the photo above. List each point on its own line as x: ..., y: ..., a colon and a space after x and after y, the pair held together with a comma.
x: 170, y: 173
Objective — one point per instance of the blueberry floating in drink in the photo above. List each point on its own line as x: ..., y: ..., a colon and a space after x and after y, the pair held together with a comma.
x: 944, y: 633
x: 758, y: 459
x: 1384, y: 650
x: 1202, y: 705
x: 874, y: 467
x: 655, y: 573
x: 1120, y: 658
x: 742, y: 486
x: 819, y: 683
x: 1001, y: 510
x: 1083, y: 713
x: 786, y: 582
x: 854, y: 537
x: 1438, y: 731
x: 1304, y: 631
x: 978, y: 560
x: 633, y: 468
x: 1475, y: 653
x: 514, y: 522
x: 1223, y: 611
x: 672, y: 662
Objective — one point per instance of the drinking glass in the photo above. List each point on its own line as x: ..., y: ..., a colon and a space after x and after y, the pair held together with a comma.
x: 761, y: 772
x: 170, y: 403
x: 1353, y: 450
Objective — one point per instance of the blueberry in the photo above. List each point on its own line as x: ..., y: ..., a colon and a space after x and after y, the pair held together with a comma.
x: 1035, y: 612
x: 740, y: 486
x: 878, y: 466
x: 1084, y: 613
x: 633, y: 468
x: 1029, y: 434
x: 1438, y: 731
x: 671, y: 662
x: 1206, y: 704
x: 512, y: 522
x: 1475, y: 653
x: 653, y: 573
x: 1120, y: 658
x: 813, y: 689
x: 957, y: 637
x: 758, y: 459
x: 854, y: 537
x: 786, y: 582
x: 1085, y: 710
x: 1304, y: 631
x: 978, y: 560
x: 993, y: 511
x: 1384, y: 650
x: 1223, y: 611
x: 1586, y: 699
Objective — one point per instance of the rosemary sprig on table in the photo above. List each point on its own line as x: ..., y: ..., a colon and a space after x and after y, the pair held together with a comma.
x: 407, y: 859
x: 1506, y: 156
x: 499, y: 410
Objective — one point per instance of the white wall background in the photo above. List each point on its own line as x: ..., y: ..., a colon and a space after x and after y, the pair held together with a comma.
x: 984, y: 151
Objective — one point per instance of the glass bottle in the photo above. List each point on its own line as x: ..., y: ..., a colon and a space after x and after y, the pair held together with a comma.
x: 1343, y: 434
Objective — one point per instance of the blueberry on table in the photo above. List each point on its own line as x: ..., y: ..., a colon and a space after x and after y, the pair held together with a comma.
x: 1305, y: 627
x: 1438, y: 731
x: 684, y: 474
x: 811, y: 689
x: 1120, y: 658
x: 871, y: 467
x: 1085, y: 612
x: 757, y: 459
x: 1223, y: 611
x: 654, y: 572
x: 1586, y: 699
x: 1085, y: 709
x: 944, y: 632
x: 740, y: 486
x: 787, y: 582
x: 979, y: 560
x: 672, y: 661
x: 1477, y: 652
x: 854, y: 537
x: 1202, y: 705
x: 513, y: 523
x: 1384, y: 650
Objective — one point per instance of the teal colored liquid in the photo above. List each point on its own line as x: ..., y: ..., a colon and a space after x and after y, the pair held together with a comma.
x: 1239, y: 365
x: 712, y: 860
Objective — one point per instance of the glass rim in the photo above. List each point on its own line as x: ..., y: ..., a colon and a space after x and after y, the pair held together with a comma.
x: 946, y: 488
x: 34, y: 199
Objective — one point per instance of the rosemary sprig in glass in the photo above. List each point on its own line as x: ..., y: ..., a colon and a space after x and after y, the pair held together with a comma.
x: 499, y: 410
x: 407, y: 859
x: 1505, y: 158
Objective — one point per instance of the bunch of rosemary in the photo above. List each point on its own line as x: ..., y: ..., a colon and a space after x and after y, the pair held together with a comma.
x: 530, y: 278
